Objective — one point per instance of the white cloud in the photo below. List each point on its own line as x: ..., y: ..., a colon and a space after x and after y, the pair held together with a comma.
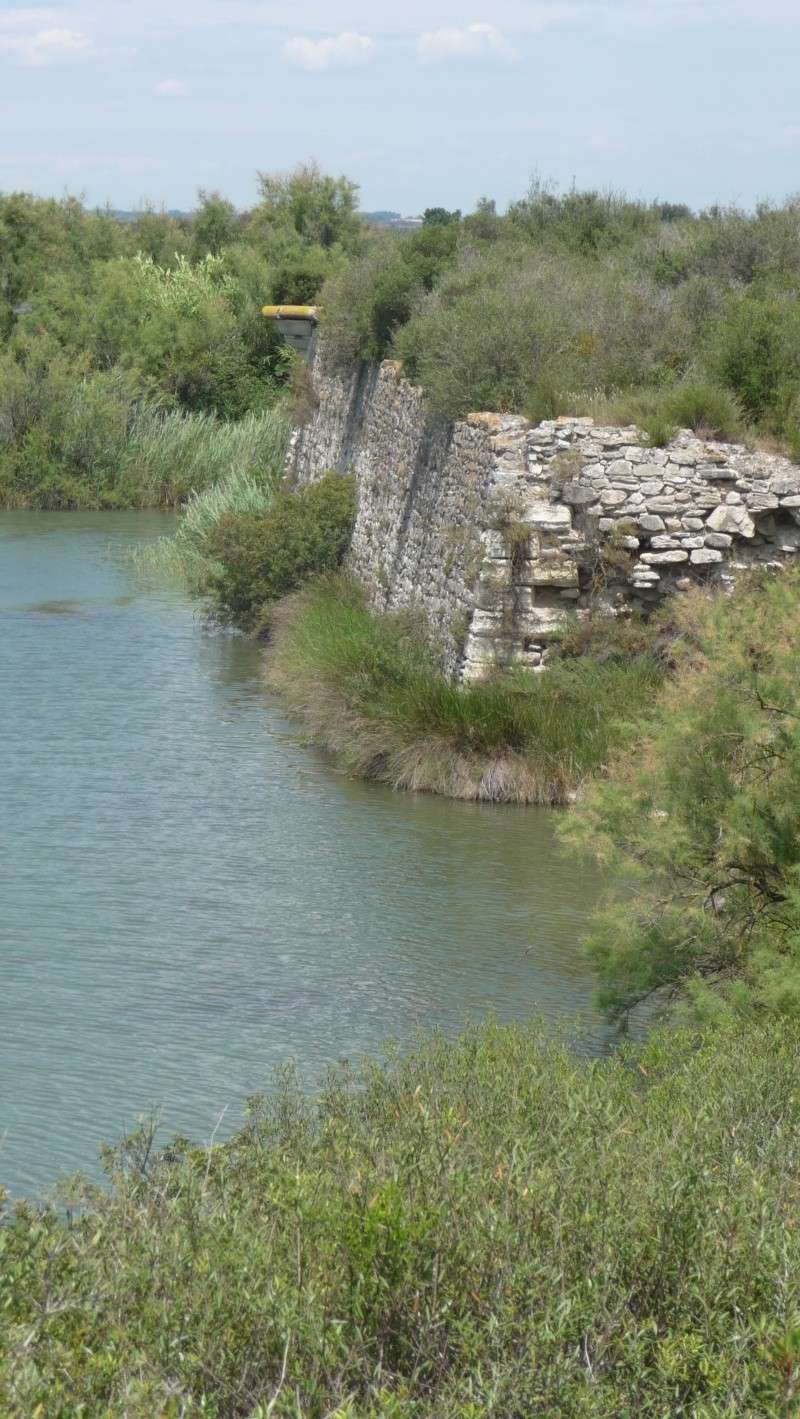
x: 474, y: 42
x: 45, y: 46
x: 172, y: 89
x: 341, y: 51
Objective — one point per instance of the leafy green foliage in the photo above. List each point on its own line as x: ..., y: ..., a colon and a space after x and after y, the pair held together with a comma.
x: 73, y: 437
x: 588, y: 299
x: 259, y: 557
x: 110, y: 327
x: 370, y: 690
x: 215, y: 225
x: 372, y: 299
x: 319, y: 209
x: 699, y: 816
x: 484, y: 1228
x: 757, y: 352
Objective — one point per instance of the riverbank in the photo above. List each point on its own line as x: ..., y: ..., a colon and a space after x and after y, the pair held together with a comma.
x: 484, y: 1228
x: 368, y: 689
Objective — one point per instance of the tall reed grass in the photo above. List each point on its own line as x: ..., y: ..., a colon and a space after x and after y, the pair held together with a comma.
x: 173, y: 456
x: 224, y: 468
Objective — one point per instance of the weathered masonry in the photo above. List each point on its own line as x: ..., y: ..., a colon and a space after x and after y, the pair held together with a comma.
x: 493, y: 528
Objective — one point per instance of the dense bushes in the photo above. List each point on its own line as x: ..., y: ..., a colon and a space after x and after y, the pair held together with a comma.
x: 368, y: 689
x: 589, y: 302
x: 485, y: 1228
x: 73, y: 437
x: 105, y: 324
x: 700, y: 815
x: 260, y: 556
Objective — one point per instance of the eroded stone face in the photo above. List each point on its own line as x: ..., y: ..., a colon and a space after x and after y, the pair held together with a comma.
x: 494, y: 530
x: 735, y: 520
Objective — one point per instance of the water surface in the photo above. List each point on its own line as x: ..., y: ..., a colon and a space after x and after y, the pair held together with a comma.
x: 189, y: 897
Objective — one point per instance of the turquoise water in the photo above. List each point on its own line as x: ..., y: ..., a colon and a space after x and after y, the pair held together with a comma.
x: 190, y: 897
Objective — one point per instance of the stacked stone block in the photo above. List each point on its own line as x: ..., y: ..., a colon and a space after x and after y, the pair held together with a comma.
x: 492, y: 530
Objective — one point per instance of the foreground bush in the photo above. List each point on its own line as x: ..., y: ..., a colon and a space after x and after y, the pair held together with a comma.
x: 700, y: 815
x: 486, y: 1228
x: 370, y: 691
x: 260, y: 556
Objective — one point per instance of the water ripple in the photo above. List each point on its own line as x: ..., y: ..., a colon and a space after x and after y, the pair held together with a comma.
x: 189, y: 897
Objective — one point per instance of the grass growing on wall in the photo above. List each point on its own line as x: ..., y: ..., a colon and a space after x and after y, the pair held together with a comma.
x: 369, y: 691
x: 489, y: 1229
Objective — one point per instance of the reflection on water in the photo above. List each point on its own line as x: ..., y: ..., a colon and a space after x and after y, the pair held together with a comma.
x: 190, y: 897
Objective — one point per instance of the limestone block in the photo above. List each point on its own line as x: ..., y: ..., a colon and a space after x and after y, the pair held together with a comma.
x: 736, y: 520
x: 577, y: 494
x: 718, y: 539
x: 561, y: 571
x: 650, y: 522
x: 662, y: 558
x: 664, y: 540
x: 785, y: 485
x: 541, y: 623
x: 705, y: 555
x: 550, y: 517
x: 612, y: 497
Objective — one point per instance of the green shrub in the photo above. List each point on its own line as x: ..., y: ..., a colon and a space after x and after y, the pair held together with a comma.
x: 491, y: 1227
x: 369, y: 690
x: 710, y: 411
x: 658, y: 428
x: 262, y: 556
x: 508, y: 329
x: 70, y: 437
x: 372, y: 299
x: 699, y: 814
x: 63, y: 430
x: 756, y: 352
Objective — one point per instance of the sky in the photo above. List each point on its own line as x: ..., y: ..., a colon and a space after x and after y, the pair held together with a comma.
x: 422, y: 102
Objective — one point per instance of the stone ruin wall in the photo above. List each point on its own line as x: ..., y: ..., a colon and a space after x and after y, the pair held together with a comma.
x: 493, y: 528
